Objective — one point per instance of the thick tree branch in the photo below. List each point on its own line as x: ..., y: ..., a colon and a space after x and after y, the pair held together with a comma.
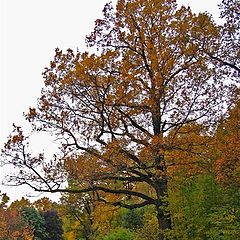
x: 231, y: 65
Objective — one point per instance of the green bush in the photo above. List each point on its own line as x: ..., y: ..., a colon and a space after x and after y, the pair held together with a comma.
x: 119, y: 234
x: 133, y: 219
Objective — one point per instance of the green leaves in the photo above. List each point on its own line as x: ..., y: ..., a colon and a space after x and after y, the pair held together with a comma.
x: 120, y: 234
x: 36, y: 223
x: 201, y: 209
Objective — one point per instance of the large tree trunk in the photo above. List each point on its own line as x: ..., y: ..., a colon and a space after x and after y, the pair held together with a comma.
x: 164, y: 220
x: 161, y: 183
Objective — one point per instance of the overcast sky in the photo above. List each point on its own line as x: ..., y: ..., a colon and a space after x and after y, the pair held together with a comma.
x: 30, y: 32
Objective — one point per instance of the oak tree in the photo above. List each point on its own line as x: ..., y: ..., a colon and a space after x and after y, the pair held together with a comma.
x: 113, y: 111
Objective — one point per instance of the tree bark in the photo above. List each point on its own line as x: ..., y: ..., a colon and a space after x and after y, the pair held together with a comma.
x: 164, y: 220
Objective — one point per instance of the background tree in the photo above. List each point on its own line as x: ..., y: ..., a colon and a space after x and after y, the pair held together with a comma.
x: 84, y: 211
x: 3, y: 200
x: 53, y: 225
x: 80, y: 208
x: 226, y: 151
x: 202, y: 209
x: 36, y: 222
x: 204, y: 197
x: 20, y: 204
x: 44, y: 204
x: 12, y: 225
x: 121, y: 234
x: 113, y: 111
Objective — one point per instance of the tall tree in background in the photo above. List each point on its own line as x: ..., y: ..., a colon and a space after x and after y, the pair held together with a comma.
x: 119, y: 114
x: 36, y: 223
x: 226, y: 150
x: 44, y: 204
x: 12, y: 224
x: 53, y: 225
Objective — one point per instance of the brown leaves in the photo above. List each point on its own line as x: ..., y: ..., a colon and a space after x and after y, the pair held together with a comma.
x: 227, y: 151
x: 15, y: 138
x: 12, y: 225
x: 82, y: 168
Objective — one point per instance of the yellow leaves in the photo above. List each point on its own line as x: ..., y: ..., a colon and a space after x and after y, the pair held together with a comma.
x: 156, y: 148
x: 220, y: 170
x: 103, y: 214
x: 146, y: 155
x: 27, y: 234
x: 157, y: 141
x: 82, y: 167
x: 114, y: 155
x: 227, y: 168
x: 66, y: 81
x: 184, y: 163
x: 44, y: 104
x: 19, y: 204
x: 72, y: 235
x: 16, y: 235
x: 188, y: 153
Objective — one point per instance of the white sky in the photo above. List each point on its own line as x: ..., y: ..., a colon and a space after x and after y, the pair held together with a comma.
x: 30, y: 32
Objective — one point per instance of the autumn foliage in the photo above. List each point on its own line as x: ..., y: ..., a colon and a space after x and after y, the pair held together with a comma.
x: 227, y: 155
x: 141, y: 115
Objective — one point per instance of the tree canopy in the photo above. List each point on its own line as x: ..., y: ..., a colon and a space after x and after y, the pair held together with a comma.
x: 131, y: 115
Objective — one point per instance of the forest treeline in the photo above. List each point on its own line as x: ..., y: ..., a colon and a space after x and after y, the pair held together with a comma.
x: 147, y: 127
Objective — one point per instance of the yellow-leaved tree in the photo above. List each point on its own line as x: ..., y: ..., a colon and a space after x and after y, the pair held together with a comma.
x: 154, y: 75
